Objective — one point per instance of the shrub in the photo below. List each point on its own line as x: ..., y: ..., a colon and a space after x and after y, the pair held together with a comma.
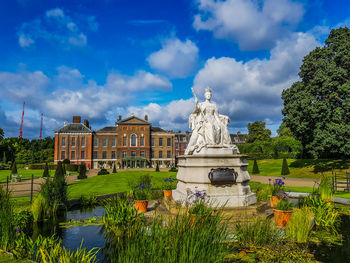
x: 66, y: 161
x: 284, y: 205
x: 103, y: 171
x: 59, y: 173
x: 72, y: 167
x: 173, y: 169
x: 88, y: 200
x: 157, y: 167
x: 46, y: 171
x: 14, y: 168
x: 141, y: 192
x: 255, y: 167
x: 23, y: 221
x: 82, y: 171
x: 285, y: 169
x: 41, y: 166
x: 263, y: 193
x: 114, y: 169
x: 299, y: 225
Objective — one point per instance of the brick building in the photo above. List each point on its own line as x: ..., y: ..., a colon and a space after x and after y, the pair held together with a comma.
x: 132, y: 142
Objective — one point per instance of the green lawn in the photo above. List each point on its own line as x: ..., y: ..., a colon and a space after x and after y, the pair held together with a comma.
x: 26, y: 174
x: 114, y: 183
x: 303, y: 168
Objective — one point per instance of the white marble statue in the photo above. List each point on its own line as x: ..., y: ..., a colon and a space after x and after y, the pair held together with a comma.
x: 209, y: 128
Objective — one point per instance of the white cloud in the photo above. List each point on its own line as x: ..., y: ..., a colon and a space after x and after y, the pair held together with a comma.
x: 252, y: 24
x: 57, y: 27
x: 176, y: 58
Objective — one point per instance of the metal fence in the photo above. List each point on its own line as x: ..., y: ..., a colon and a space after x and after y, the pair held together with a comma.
x: 22, y: 188
x: 341, y: 181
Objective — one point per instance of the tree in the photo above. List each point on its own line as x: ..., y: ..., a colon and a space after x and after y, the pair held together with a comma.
x: 258, y: 132
x: 114, y: 169
x: 157, y: 167
x: 283, y: 130
x: 2, y: 134
x: 316, y: 108
x: 46, y: 171
x: 4, y: 160
x: 285, y: 169
x: 59, y: 170
x: 14, y: 168
x: 82, y: 171
x: 255, y: 167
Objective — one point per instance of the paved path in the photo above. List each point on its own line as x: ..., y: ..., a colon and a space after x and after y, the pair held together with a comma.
x: 291, y: 181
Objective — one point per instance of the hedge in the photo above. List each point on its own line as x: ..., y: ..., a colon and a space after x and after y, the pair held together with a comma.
x: 41, y: 166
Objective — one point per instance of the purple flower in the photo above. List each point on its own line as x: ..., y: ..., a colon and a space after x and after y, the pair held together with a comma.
x: 269, y: 179
x: 284, y: 178
x: 17, y: 230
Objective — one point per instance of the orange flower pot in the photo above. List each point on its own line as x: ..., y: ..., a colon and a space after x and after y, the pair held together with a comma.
x: 274, y: 201
x: 141, y: 206
x: 282, y: 217
x: 167, y: 193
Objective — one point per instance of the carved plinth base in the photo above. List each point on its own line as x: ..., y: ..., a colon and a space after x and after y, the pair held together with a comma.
x: 193, y: 176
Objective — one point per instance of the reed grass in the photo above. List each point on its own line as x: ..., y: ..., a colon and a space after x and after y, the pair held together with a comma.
x: 300, y: 224
x: 325, y: 189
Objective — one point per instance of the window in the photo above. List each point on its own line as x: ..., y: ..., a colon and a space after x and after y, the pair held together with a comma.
x: 72, y: 154
x: 113, y: 154
x: 63, y: 142
x: 133, y: 140
x: 177, y: 146
x: 168, y: 142
x: 63, y: 155
x: 142, y: 142
x: 168, y: 154
x: 152, y: 142
x: 124, y: 154
x: 124, y: 140
x: 73, y: 142
x: 142, y: 154
x: 185, y: 145
x: 152, y: 154
x: 160, y: 142
x: 133, y: 153
x: 82, y: 155
x: 95, y: 142
x: 114, y: 143
x: 160, y: 154
x: 104, y: 142
x: 94, y: 155
x: 83, y: 142
x: 104, y: 155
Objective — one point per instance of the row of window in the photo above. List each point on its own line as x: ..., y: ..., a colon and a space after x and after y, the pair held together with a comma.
x: 160, y: 154
x: 74, y: 142
x: 73, y: 156
x: 160, y: 142
x: 105, y: 142
x: 113, y: 155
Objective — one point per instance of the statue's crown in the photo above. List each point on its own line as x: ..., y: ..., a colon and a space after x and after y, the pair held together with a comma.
x: 207, y: 89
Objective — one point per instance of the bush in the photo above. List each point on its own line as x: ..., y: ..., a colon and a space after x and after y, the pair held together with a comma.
x: 82, y: 171
x: 173, y: 169
x: 285, y: 169
x: 46, y: 171
x: 157, y: 167
x: 23, y: 221
x: 14, y: 168
x: 41, y: 166
x: 255, y: 167
x: 88, y: 200
x: 66, y: 161
x: 114, y: 169
x: 103, y: 171
x: 72, y: 167
x: 59, y: 171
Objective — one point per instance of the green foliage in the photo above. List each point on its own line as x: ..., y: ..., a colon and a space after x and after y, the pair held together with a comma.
x: 299, y: 226
x: 2, y: 134
x: 66, y: 161
x: 114, y: 169
x: 4, y: 159
x: 23, y: 221
x: 88, y: 200
x: 325, y: 189
x: 157, y: 167
x: 284, y: 205
x: 255, y: 168
x: 258, y: 233
x: 284, y: 131
x: 103, y: 171
x: 6, y: 219
x: 82, y: 171
x: 169, y: 183
x: 46, y: 172
x: 59, y: 170
x: 285, y: 169
x: 173, y: 169
x: 263, y: 193
x: 14, y: 168
x: 316, y: 107
x: 258, y: 132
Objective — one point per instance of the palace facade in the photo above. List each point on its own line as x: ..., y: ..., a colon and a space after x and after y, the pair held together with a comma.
x: 133, y: 142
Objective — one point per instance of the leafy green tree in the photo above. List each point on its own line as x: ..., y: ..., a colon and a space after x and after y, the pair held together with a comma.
x: 258, y: 132
x: 46, y: 172
x: 14, y: 168
x: 255, y: 167
x: 317, y: 107
x: 283, y: 130
x: 59, y: 170
x: 2, y: 134
x: 285, y: 169
x: 4, y: 159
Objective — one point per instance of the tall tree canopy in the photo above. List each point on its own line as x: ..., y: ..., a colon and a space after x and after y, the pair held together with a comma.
x: 258, y: 132
x: 317, y: 108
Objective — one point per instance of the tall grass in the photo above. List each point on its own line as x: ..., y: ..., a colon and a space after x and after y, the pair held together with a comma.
x: 300, y: 223
x: 183, y: 238
x: 6, y: 219
x: 258, y: 233
x: 326, y: 189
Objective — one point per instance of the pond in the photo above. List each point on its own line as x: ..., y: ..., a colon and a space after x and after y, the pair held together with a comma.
x: 94, y: 236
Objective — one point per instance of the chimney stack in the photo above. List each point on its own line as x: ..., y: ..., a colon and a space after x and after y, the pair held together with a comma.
x: 86, y: 123
x: 120, y: 118
x: 76, y: 119
x: 146, y: 117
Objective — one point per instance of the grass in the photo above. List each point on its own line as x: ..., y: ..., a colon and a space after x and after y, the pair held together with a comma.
x: 303, y: 168
x: 114, y: 183
x: 26, y: 174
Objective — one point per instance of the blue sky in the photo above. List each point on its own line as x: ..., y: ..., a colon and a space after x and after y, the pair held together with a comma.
x: 101, y: 59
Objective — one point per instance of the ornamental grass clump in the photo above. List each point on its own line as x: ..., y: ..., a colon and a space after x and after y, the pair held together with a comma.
x: 199, y: 204
x: 300, y: 224
x: 6, y: 219
x: 325, y: 189
x: 284, y: 205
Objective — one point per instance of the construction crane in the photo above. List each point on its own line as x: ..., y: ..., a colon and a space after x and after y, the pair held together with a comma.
x: 21, y: 128
x: 41, y: 127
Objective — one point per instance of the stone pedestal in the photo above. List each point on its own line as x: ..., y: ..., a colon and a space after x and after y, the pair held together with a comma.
x: 193, y: 176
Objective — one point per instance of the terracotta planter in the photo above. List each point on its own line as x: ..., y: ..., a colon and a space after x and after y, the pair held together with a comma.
x: 141, y: 205
x: 168, y: 193
x: 274, y: 201
x: 282, y: 217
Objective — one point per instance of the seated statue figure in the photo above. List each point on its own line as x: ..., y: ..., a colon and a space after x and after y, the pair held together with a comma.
x: 209, y: 128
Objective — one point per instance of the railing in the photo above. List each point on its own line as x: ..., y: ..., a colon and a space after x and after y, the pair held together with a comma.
x: 13, y: 187
x: 341, y: 181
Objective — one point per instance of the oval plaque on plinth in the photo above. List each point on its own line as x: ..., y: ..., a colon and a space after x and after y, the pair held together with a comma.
x: 222, y: 176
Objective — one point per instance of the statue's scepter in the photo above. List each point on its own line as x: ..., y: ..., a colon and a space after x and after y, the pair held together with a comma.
x: 194, y: 95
